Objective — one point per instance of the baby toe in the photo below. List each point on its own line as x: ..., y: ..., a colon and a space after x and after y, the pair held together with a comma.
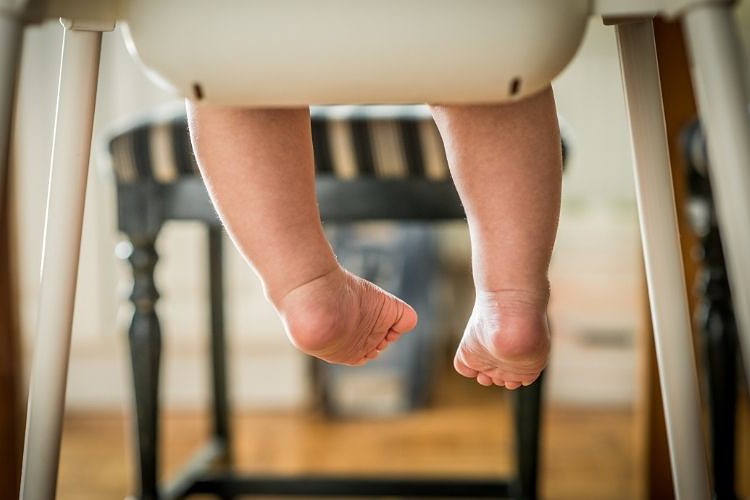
x: 462, y: 369
x: 392, y: 336
x: 484, y: 379
x: 359, y: 362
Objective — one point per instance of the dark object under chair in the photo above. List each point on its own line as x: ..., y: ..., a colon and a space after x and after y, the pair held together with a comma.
x: 403, y: 259
x: 157, y: 181
x: 714, y: 316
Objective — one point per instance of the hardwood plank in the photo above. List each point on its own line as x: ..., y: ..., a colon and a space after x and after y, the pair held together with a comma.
x: 585, y: 453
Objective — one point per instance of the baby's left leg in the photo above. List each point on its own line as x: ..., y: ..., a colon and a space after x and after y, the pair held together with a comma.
x: 258, y: 166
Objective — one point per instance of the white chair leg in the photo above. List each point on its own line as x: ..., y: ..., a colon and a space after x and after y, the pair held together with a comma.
x: 663, y: 260
x: 10, y: 50
x: 718, y: 77
x: 62, y: 240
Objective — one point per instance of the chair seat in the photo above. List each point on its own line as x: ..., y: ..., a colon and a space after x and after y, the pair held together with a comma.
x: 350, y: 142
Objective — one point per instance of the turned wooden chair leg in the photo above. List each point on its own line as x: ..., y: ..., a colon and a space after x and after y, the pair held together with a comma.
x: 721, y: 345
x: 218, y: 344
x: 714, y: 319
x: 721, y: 349
x: 718, y: 77
x: 145, y: 353
x: 527, y: 420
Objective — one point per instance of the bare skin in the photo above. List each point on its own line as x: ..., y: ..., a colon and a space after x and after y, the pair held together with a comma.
x: 505, y: 160
x: 507, y: 166
x: 258, y: 166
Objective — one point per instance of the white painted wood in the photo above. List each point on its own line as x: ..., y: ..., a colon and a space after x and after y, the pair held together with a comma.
x: 663, y: 260
x: 297, y: 52
x: 71, y: 147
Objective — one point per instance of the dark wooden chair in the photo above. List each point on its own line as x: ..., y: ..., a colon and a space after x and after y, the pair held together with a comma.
x: 373, y: 163
x: 714, y: 317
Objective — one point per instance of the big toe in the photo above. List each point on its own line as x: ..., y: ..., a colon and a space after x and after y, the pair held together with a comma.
x: 396, y: 317
x: 406, y: 320
x: 462, y: 368
x: 402, y: 319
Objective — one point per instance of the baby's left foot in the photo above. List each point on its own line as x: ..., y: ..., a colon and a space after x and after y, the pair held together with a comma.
x: 506, y: 341
x: 343, y: 319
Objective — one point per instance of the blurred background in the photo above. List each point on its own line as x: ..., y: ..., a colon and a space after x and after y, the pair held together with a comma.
x: 598, y: 437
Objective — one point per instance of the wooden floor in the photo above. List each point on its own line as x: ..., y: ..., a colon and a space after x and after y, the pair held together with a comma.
x: 586, y: 454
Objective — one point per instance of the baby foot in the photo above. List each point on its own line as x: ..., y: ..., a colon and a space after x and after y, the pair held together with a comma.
x: 343, y: 319
x: 506, y: 341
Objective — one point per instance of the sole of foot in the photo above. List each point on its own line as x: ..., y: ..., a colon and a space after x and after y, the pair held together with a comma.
x: 343, y: 319
x: 506, y: 341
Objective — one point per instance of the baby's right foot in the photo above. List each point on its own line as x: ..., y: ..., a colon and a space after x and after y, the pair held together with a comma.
x: 343, y: 319
x: 506, y: 341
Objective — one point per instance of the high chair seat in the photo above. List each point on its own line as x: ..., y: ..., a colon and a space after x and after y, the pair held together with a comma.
x: 374, y: 51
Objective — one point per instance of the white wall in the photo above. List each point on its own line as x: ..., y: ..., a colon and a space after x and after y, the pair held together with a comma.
x: 595, y: 307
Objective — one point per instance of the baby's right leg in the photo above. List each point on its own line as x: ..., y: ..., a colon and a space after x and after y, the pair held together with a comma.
x: 506, y: 163
x: 258, y: 166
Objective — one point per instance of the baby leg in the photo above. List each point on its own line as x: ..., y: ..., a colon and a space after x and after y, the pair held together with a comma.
x: 258, y: 166
x: 506, y: 163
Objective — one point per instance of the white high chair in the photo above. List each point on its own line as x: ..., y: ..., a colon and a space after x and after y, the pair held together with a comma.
x: 256, y: 52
